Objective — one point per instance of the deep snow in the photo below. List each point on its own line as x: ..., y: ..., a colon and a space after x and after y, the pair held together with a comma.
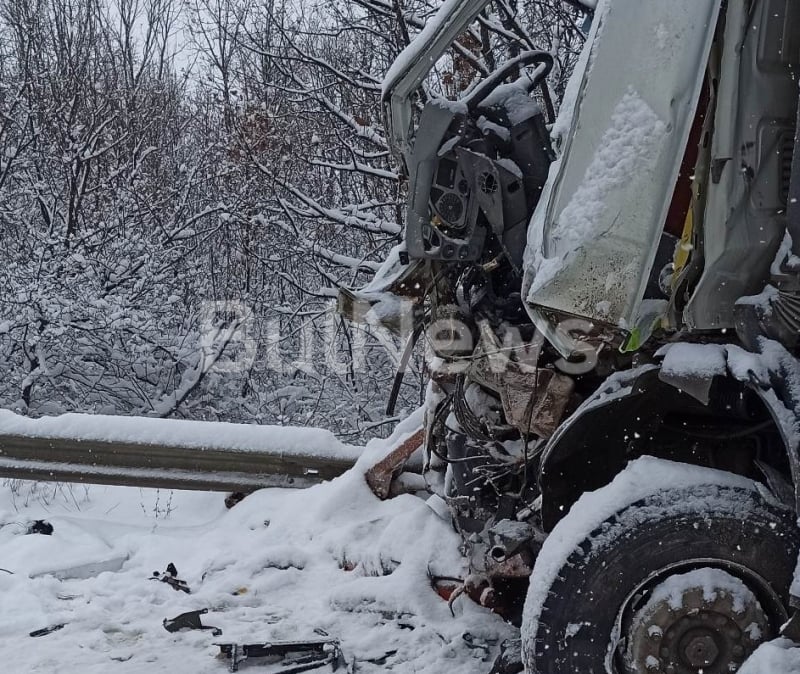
x: 279, y: 565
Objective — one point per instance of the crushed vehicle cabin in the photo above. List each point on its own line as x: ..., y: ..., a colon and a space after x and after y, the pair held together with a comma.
x: 611, y: 300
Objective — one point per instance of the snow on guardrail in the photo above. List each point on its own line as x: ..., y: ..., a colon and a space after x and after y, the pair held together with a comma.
x: 141, y: 451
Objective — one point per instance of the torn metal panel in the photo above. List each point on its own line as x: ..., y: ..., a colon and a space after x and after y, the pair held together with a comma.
x: 594, y: 237
x: 290, y: 657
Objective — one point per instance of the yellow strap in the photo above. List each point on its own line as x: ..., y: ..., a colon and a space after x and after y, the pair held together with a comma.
x: 684, y: 248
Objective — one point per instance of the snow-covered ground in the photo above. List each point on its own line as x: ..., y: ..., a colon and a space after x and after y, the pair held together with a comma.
x: 776, y: 657
x: 279, y: 565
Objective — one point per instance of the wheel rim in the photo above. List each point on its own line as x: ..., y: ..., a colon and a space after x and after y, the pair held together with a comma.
x: 702, y: 621
x: 694, y: 619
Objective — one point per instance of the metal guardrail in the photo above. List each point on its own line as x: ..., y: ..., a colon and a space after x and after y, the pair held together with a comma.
x: 182, y: 465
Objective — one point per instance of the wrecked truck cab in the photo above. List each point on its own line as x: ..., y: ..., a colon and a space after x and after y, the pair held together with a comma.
x: 619, y: 419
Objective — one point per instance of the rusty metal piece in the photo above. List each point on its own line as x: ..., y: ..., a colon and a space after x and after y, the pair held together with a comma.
x: 380, y: 476
x: 446, y: 588
x: 534, y: 399
x: 535, y: 403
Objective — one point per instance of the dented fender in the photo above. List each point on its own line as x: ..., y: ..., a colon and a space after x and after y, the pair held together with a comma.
x: 591, y: 447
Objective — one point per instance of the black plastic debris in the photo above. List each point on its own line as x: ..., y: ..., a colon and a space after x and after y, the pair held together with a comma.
x: 233, y: 498
x: 47, y: 630
x: 475, y: 644
x: 383, y: 659
x: 40, y: 527
x: 190, y: 621
x: 510, y: 659
x: 287, y: 657
x: 170, y: 577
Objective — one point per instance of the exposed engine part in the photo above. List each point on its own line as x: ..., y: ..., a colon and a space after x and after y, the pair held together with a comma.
x: 508, y: 537
x: 776, y: 312
x: 534, y: 398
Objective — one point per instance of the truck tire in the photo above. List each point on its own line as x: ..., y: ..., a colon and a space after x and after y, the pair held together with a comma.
x: 688, y: 579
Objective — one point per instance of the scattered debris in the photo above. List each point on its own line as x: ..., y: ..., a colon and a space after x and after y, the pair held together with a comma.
x: 293, y: 656
x: 170, y: 577
x: 190, y: 621
x: 46, y: 630
x: 476, y: 644
x: 383, y: 659
x: 233, y: 498
x: 40, y: 527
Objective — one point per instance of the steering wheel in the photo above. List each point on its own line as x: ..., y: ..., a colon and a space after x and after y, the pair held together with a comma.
x: 527, y: 58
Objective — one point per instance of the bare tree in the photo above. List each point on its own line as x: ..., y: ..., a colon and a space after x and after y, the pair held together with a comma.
x: 161, y: 218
